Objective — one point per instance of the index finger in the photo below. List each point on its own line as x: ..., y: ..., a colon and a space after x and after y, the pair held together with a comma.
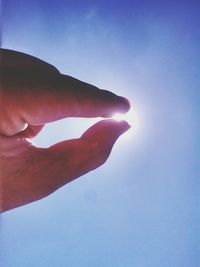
x: 43, y: 100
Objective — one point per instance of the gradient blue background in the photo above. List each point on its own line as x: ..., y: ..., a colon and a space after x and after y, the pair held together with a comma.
x: 141, y: 209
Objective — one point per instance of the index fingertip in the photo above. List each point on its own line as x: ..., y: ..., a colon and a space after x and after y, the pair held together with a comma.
x: 125, y: 104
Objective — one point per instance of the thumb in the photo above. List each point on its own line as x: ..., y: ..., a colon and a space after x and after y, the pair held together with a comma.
x: 39, y: 172
x: 105, y: 133
x: 73, y: 158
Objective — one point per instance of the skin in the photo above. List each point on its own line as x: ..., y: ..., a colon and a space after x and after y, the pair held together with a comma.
x: 33, y: 93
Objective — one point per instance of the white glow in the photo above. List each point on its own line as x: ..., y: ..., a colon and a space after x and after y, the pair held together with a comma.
x: 132, y: 118
x: 118, y: 117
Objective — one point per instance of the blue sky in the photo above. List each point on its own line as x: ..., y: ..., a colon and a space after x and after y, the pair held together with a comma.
x: 141, y: 209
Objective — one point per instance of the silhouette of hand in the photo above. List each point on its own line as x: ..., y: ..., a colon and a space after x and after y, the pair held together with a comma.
x: 33, y: 93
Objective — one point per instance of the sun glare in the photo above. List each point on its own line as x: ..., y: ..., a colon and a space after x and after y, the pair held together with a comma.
x: 117, y: 117
x: 132, y: 119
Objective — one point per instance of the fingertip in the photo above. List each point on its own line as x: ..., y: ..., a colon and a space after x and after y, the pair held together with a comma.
x: 118, y: 127
x: 117, y: 104
x: 125, y: 104
x: 107, y: 129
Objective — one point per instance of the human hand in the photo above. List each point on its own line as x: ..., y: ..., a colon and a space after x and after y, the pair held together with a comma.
x: 33, y: 93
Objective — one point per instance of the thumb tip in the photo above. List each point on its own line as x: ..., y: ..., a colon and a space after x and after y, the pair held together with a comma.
x: 121, y: 126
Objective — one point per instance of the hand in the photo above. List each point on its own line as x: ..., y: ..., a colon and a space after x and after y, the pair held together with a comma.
x: 33, y: 93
